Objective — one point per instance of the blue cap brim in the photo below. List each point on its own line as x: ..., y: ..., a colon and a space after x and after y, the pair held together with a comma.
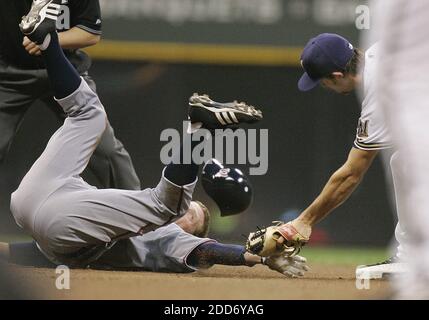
x: 306, y: 83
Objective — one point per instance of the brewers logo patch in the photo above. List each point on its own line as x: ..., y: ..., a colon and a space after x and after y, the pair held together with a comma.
x: 362, y: 129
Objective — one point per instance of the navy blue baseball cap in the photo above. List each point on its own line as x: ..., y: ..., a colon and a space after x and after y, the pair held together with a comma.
x: 322, y: 55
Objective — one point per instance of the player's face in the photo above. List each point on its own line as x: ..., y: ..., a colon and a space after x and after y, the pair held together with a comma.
x: 197, y: 216
x: 340, y: 83
x: 193, y: 220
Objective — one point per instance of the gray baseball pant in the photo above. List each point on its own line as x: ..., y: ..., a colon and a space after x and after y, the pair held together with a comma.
x: 72, y: 221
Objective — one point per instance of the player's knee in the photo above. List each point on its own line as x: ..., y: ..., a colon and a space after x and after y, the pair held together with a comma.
x: 17, y: 197
x: 14, y: 201
x: 19, y: 205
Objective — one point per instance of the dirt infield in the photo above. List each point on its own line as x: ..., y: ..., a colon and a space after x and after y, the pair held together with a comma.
x: 322, y: 282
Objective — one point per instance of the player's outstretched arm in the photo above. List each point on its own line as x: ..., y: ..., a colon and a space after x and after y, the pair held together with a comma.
x: 337, y: 190
x: 340, y: 186
x: 290, y: 237
x: 211, y: 253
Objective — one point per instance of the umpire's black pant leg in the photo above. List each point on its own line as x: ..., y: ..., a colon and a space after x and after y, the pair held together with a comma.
x: 18, y: 91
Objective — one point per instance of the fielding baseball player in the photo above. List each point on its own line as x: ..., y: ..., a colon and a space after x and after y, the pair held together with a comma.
x: 24, y: 80
x: 333, y: 62
x: 76, y: 224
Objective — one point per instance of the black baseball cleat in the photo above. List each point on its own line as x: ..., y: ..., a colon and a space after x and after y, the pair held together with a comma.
x: 216, y: 115
x: 40, y: 21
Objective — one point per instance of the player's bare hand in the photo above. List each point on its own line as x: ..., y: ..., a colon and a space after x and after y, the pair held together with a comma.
x: 291, y: 267
x: 31, y: 47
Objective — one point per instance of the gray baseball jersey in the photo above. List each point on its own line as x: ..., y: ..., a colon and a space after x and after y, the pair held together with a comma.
x: 71, y: 221
x: 163, y: 250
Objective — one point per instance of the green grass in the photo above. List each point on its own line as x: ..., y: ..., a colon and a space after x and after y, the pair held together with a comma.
x: 14, y: 238
x: 344, y: 255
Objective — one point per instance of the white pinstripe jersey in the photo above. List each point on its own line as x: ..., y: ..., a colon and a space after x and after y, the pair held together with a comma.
x: 371, y: 133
